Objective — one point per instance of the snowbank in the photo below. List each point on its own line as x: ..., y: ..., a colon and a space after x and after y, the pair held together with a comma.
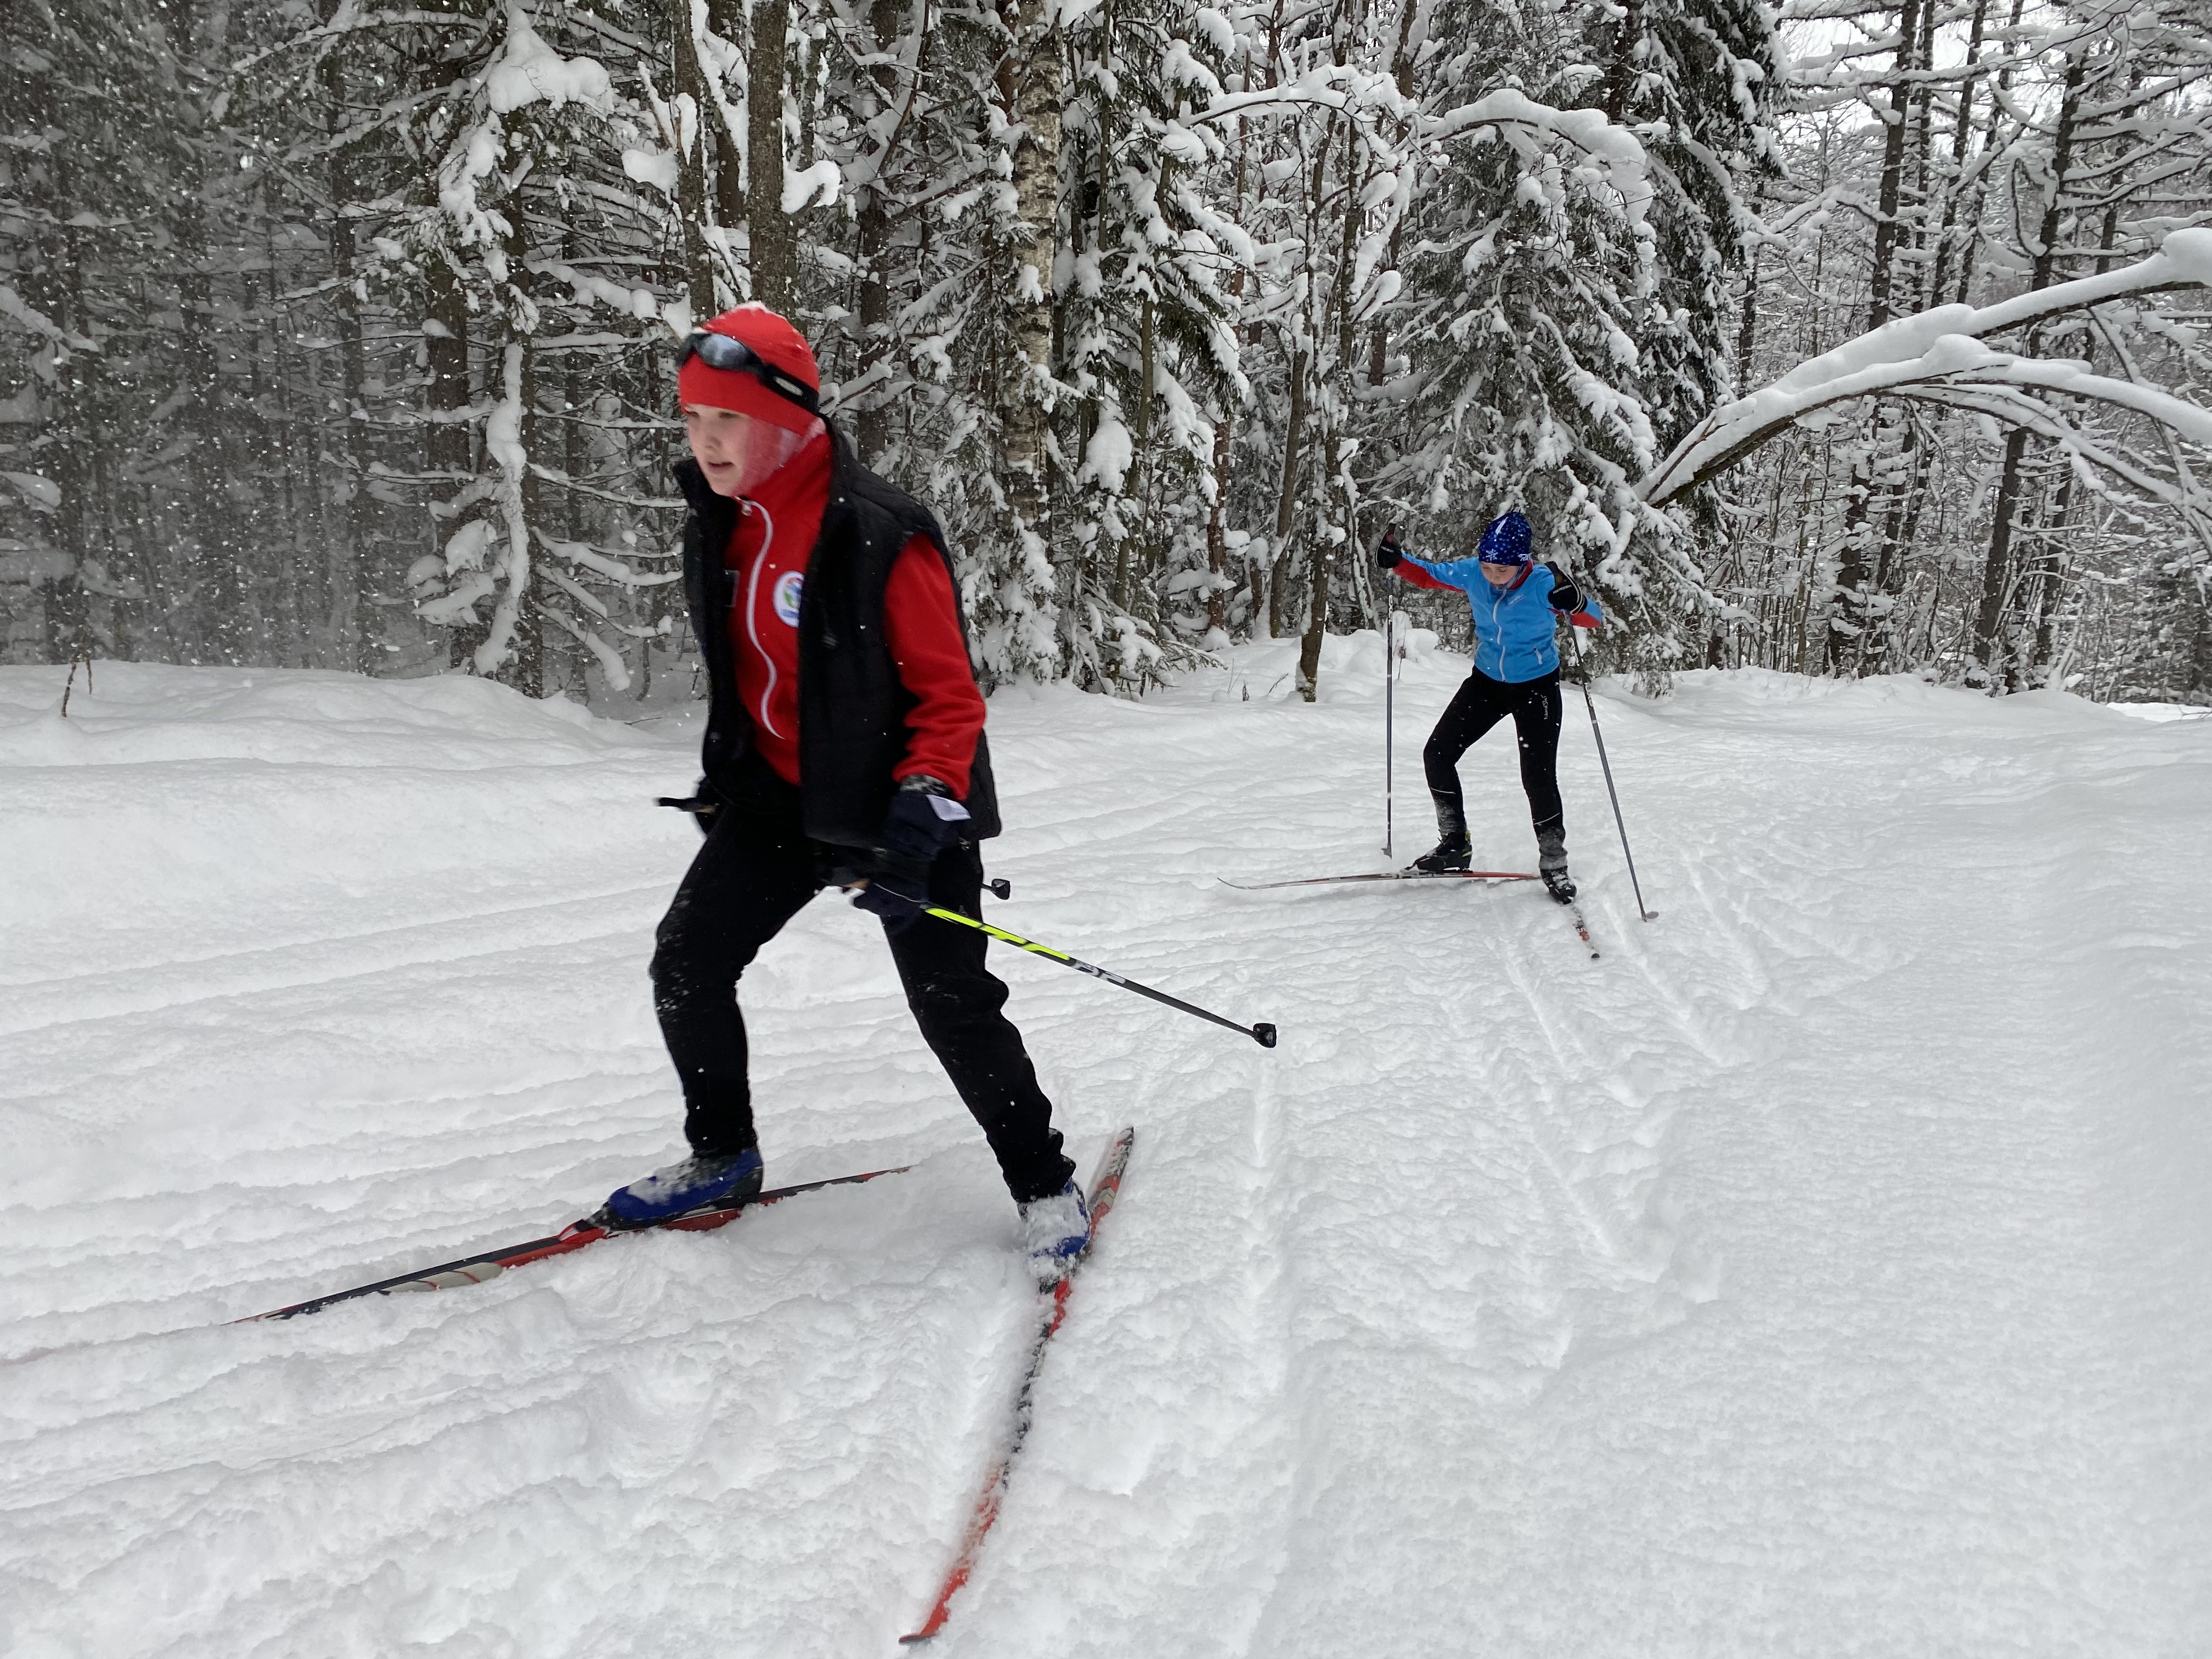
x: 267, y: 808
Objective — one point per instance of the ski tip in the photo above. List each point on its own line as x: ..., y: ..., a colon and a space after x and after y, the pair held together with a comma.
x: 1264, y: 1035
x: 919, y: 1635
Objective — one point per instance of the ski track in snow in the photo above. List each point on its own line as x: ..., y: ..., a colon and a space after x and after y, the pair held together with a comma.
x: 1821, y: 1271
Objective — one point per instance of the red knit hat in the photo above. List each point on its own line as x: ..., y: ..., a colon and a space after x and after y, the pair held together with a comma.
x: 778, y: 345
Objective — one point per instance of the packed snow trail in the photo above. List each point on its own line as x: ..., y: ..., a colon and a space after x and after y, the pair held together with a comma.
x: 1822, y: 1272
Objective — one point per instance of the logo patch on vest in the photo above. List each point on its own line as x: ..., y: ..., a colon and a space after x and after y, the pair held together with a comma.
x: 786, y: 595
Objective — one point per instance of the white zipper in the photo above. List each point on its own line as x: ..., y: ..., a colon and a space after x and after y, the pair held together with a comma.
x: 752, y: 614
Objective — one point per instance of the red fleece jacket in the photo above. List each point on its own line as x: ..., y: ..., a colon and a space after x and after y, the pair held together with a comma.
x: 767, y: 553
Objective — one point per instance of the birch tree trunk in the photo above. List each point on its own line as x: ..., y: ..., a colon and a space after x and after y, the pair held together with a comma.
x: 727, y: 18
x: 768, y: 228
x: 871, y: 423
x: 1029, y: 85
x: 691, y: 151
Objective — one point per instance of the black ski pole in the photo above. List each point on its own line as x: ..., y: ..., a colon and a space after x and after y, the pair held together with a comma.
x: 1590, y: 703
x: 1389, y: 718
x: 1390, y: 715
x: 1263, y: 1034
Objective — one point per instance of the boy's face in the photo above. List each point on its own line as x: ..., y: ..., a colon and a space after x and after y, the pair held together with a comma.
x: 1500, y: 575
x: 737, y: 451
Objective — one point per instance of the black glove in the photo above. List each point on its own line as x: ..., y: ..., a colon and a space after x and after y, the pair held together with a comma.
x: 1388, y: 553
x: 896, y: 890
x: 1565, y: 596
x: 924, y: 820
x: 702, y: 804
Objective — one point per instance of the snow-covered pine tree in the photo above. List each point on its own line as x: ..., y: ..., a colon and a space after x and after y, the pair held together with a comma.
x: 1529, y: 258
x: 87, y: 451
x: 1697, y: 82
x: 1145, y: 344
x: 910, y: 115
x: 1313, y: 165
x: 255, y: 357
x: 504, y: 226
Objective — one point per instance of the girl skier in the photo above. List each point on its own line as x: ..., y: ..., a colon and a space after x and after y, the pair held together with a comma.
x: 844, y: 741
x: 1516, y: 604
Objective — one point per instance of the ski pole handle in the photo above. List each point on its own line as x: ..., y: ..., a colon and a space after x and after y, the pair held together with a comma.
x: 1262, y: 1033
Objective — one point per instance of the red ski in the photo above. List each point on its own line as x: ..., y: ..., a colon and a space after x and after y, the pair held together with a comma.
x: 1581, y: 928
x: 1381, y: 875
x: 475, y: 1269
x: 1052, y: 1311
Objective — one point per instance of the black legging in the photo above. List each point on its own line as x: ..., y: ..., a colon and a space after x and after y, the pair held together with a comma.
x: 754, y: 873
x: 1475, y: 708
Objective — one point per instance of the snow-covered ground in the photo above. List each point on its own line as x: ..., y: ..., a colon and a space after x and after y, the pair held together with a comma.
x: 1824, y: 1271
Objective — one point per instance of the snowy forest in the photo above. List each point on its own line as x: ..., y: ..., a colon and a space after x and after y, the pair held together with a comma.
x: 1845, y: 339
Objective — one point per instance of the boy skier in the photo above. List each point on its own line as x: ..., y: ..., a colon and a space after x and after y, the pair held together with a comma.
x: 1516, y: 604
x: 844, y: 743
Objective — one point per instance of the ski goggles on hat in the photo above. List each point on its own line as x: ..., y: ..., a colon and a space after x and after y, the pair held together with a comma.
x: 724, y: 352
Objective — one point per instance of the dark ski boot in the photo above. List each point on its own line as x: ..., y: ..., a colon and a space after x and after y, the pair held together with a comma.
x: 1552, y: 861
x: 1452, y: 853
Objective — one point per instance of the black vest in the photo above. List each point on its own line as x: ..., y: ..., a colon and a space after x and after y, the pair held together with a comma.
x: 851, y: 704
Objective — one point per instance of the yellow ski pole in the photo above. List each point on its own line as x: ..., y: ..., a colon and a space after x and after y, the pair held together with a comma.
x: 1263, y: 1034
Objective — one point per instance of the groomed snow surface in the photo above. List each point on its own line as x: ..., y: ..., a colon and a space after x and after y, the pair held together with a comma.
x: 1822, y: 1272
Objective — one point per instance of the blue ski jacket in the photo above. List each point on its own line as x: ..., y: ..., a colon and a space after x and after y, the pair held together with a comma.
x: 1514, y: 638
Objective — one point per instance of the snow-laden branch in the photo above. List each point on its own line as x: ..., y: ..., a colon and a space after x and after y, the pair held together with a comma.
x: 18, y: 310
x: 1942, y: 346
x: 1521, y: 120
x: 610, y: 660
x: 1330, y: 87
x: 1588, y: 130
x: 2012, y: 407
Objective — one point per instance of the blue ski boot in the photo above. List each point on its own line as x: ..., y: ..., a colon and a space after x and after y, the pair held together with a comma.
x: 699, y: 1183
x: 1056, y: 1229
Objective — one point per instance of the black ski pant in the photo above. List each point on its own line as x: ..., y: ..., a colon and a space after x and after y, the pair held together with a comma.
x: 1477, y: 706
x: 755, y: 872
